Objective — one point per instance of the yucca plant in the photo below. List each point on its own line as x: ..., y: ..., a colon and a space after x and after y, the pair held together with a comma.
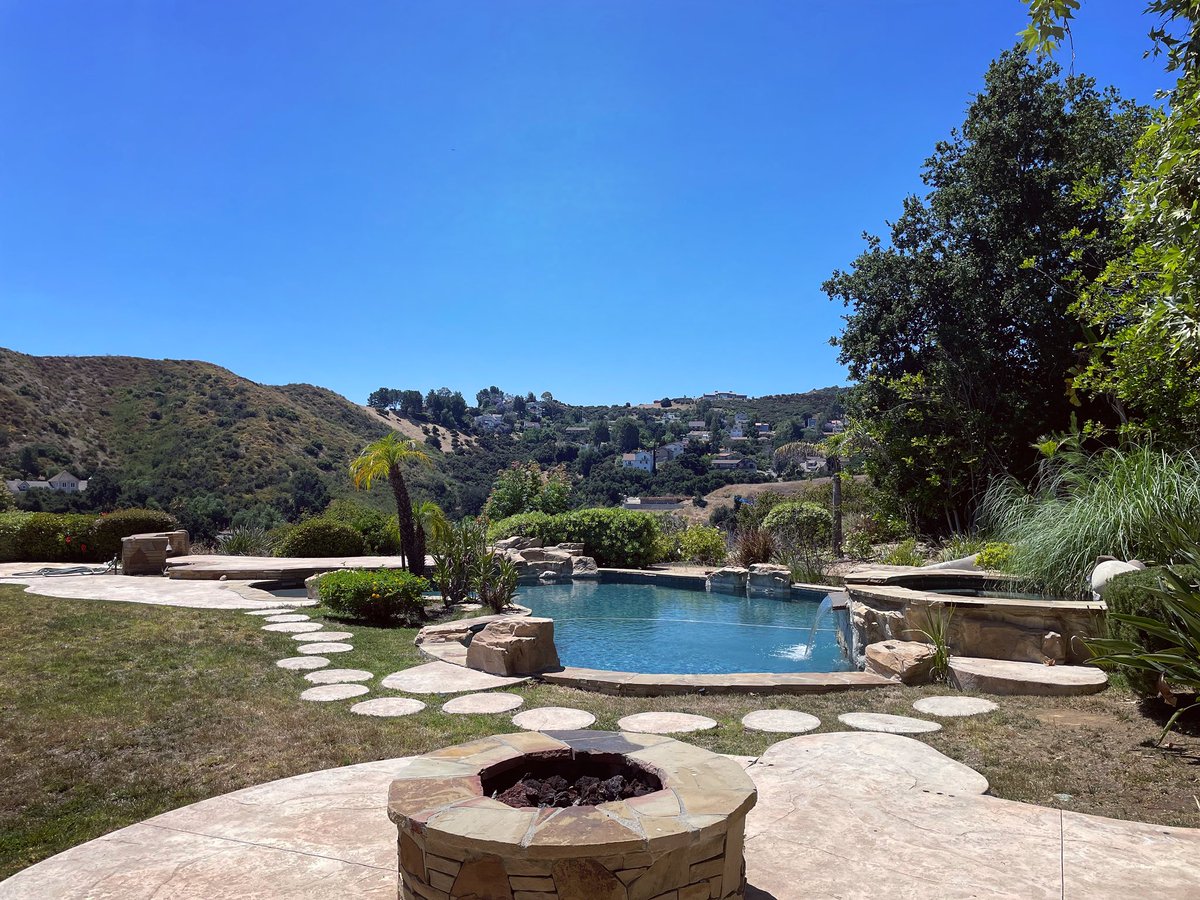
x: 496, y: 581
x: 457, y: 552
x: 245, y: 541
x: 1112, y: 503
x: 937, y: 633
x: 1176, y: 660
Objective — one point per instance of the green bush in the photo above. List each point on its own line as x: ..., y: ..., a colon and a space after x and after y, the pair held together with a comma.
x: 10, y: 531
x: 615, y: 537
x: 56, y: 537
x: 380, y: 534
x: 246, y: 540
x: 795, y: 525
x: 384, y: 597
x: 1138, y: 594
x: 904, y: 554
x: 108, y: 529
x: 320, y: 537
x: 996, y: 557
x: 703, y: 544
x: 858, y: 545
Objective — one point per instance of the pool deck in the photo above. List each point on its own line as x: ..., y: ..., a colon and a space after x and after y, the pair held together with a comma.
x: 847, y: 815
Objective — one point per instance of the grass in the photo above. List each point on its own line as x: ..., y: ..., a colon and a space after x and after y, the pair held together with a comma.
x: 115, y: 712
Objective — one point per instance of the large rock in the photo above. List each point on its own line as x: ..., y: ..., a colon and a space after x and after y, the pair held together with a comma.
x: 517, y: 543
x: 1002, y: 676
x: 769, y: 580
x: 147, y: 554
x: 909, y: 662
x: 514, y: 646
x: 573, y: 547
x: 1107, y: 571
x: 584, y: 567
x: 727, y: 580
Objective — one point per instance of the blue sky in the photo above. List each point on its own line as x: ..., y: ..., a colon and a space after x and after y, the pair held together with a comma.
x: 611, y: 200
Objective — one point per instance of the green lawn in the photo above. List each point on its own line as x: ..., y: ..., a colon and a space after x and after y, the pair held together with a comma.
x: 114, y: 712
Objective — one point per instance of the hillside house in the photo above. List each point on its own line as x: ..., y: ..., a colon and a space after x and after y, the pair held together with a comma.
x: 654, y: 504
x: 725, y: 462
x: 489, y: 422
x: 742, y: 418
x: 696, y: 425
x: 698, y: 437
x: 579, y: 434
x: 639, y: 459
x: 762, y: 427
x: 724, y: 395
x: 64, y: 481
x: 668, y: 452
x: 737, y: 433
x: 834, y: 426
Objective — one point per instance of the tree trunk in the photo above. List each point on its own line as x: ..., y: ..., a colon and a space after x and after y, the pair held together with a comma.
x: 419, y: 545
x: 835, y: 468
x: 404, y: 518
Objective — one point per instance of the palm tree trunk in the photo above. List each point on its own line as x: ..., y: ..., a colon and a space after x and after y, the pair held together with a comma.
x: 835, y: 467
x: 419, y: 545
x: 404, y: 519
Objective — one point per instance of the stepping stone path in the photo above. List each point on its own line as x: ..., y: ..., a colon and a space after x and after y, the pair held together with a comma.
x: 954, y: 706
x: 323, y: 636
x: 287, y: 617
x: 317, y: 649
x: 268, y: 612
x: 303, y: 662
x: 665, y: 723
x: 327, y: 692
x: 387, y: 706
x: 482, y: 703
x: 553, y: 718
x: 444, y: 678
x: 293, y: 627
x: 783, y: 721
x: 887, y: 723
x: 336, y: 676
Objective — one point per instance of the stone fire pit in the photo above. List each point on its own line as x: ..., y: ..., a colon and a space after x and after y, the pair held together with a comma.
x: 680, y: 839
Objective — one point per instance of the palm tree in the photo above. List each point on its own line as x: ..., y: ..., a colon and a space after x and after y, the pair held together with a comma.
x: 387, y: 458
x: 428, y: 522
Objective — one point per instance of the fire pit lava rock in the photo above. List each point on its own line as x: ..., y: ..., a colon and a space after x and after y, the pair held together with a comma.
x: 571, y: 815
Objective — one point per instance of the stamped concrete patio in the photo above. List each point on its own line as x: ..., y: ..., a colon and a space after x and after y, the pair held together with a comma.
x: 843, y: 814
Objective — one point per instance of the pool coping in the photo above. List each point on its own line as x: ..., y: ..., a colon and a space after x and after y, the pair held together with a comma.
x: 637, y: 684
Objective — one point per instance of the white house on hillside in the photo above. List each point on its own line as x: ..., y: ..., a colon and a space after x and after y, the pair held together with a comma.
x: 640, y: 459
x: 64, y: 481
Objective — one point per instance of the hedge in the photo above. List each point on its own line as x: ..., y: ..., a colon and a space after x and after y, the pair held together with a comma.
x: 320, y: 537
x: 73, y: 537
x: 1133, y: 594
x: 384, y: 597
x: 614, y: 537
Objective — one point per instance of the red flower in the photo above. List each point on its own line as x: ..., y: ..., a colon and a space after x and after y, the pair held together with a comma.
x: 68, y: 539
x: 83, y: 547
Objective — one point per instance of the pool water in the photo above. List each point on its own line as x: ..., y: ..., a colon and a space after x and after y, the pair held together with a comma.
x: 645, y: 628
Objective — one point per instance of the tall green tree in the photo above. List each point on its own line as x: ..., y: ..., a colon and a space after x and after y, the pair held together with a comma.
x: 960, y: 328
x: 389, y: 457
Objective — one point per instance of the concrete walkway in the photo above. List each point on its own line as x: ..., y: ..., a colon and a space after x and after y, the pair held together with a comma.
x: 148, y: 589
x: 844, y: 815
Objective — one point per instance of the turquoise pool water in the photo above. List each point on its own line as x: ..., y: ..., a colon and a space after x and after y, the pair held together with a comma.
x: 644, y: 628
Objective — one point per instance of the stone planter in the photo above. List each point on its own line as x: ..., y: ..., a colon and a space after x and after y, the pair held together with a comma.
x: 683, y: 840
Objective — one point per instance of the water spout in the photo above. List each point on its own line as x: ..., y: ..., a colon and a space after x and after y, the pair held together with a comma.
x: 804, y: 651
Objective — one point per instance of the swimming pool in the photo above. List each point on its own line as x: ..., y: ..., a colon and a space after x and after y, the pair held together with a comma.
x: 659, y: 630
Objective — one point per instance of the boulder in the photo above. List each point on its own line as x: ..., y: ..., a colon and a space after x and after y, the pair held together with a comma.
x: 584, y: 567
x: 768, y: 579
x: 909, y: 662
x: 514, y: 646
x: 455, y: 632
x: 1107, y: 571
x: 727, y: 580
x: 573, y: 547
x: 517, y: 543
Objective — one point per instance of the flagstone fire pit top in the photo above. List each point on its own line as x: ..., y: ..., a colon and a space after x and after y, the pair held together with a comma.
x: 682, y: 826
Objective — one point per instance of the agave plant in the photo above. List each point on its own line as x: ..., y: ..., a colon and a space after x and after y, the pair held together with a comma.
x: 1176, y: 660
x: 246, y: 541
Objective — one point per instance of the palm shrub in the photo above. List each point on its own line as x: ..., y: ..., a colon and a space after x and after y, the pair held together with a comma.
x: 1111, y: 503
x: 388, y: 458
x: 383, y: 597
x: 456, y: 558
x: 1169, y: 654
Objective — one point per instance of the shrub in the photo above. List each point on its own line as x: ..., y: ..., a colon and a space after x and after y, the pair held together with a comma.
x: 10, y: 531
x: 996, y: 557
x: 384, y: 597
x: 703, y: 544
x: 615, y: 537
x: 858, y: 545
x: 753, y: 545
x: 380, y: 534
x: 960, y: 546
x: 246, y: 541
x: 541, y: 526
x: 320, y: 537
x: 495, y: 581
x: 456, y: 559
x: 904, y: 554
x: 56, y: 537
x: 1138, y: 594
x: 108, y: 529
x: 795, y: 525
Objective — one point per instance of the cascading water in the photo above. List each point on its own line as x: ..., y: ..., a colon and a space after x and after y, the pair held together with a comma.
x: 804, y: 651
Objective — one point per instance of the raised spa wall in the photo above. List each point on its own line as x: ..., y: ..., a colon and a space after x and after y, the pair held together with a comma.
x: 900, y: 604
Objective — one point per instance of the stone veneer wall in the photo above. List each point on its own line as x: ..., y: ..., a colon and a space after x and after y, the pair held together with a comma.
x: 710, y: 868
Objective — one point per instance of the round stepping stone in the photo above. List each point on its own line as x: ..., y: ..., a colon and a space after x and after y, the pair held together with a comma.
x: 317, y: 649
x: 887, y: 723
x: 337, y: 676
x: 665, y: 723
x: 444, y: 678
x: 1003, y: 676
x: 267, y: 612
x: 553, y: 718
x: 303, y: 662
x: 387, y: 706
x: 783, y: 721
x: 954, y: 706
x: 293, y: 627
x: 482, y: 703
x: 327, y: 692
x: 323, y: 636
x: 287, y: 617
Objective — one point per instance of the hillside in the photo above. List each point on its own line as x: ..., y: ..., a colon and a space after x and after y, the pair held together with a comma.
x: 167, y: 430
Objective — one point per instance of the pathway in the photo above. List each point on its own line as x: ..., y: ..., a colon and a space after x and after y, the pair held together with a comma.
x: 845, y: 814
